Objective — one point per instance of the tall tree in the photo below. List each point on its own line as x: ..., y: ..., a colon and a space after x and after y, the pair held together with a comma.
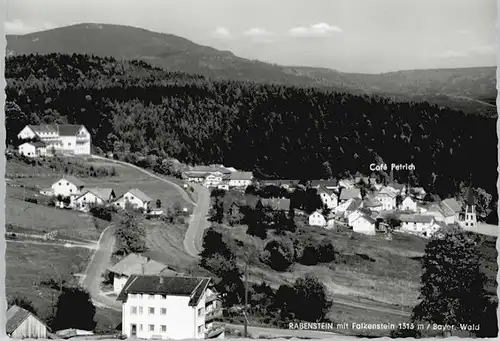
x: 452, y: 283
x: 74, y: 310
x: 130, y: 235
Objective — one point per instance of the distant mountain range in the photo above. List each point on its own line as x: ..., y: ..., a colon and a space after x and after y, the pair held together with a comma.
x: 472, y: 90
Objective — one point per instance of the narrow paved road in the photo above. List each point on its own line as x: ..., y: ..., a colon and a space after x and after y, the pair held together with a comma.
x: 260, y: 332
x: 193, y: 240
x: 91, y: 280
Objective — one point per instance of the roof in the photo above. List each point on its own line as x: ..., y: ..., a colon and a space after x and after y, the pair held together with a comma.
x: 139, y: 194
x: 397, y: 186
x: 371, y: 202
x: 69, y: 129
x: 354, y: 205
x: 101, y: 193
x: 368, y: 218
x: 208, y: 169
x: 136, y: 264
x: 416, y: 218
x: 349, y: 193
x: 453, y: 204
x: 75, y: 181
x: 15, y: 316
x: 276, y: 204
x: 39, y: 144
x: 193, y: 287
x: 388, y: 192
x: 44, y: 128
x: 241, y: 176
x: 444, y: 210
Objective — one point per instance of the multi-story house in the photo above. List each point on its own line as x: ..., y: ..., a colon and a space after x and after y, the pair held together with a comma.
x: 422, y: 225
x: 328, y: 197
x: 65, y: 138
x: 67, y: 186
x: 214, y: 179
x: 136, y: 198
x: 240, y: 179
x: 387, y: 198
x: 162, y: 307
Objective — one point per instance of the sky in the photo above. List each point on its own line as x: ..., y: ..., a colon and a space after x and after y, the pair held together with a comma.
x: 369, y: 36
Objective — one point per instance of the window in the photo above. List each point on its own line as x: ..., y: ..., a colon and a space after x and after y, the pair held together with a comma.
x: 133, y: 310
x: 151, y: 327
x: 163, y: 328
x: 151, y: 297
x: 140, y: 310
x: 151, y: 311
x: 200, y: 311
x: 67, y: 183
x: 200, y: 329
x: 69, y: 144
x: 163, y: 311
x: 140, y: 327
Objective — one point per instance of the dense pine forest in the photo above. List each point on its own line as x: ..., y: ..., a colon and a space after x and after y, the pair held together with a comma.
x: 274, y: 130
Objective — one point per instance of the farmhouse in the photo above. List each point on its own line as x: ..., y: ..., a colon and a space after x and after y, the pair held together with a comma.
x: 165, y: 307
x: 33, y: 149
x: 364, y: 224
x: 135, y: 264
x: 240, y: 179
x: 408, y: 204
x: 66, y: 138
x: 21, y: 324
x: 317, y: 219
x: 349, y: 193
x: 67, y: 186
x: 134, y: 197
x: 95, y: 196
x: 422, y: 225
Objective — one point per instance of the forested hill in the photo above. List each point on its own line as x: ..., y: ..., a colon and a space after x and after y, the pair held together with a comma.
x: 472, y: 90
x: 274, y: 130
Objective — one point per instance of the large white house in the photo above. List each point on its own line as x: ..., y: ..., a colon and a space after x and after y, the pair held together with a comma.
x: 240, y: 179
x: 65, y: 138
x: 422, y: 225
x: 67, y: 186
x: 408, y: 204
x: 134, y: 197
x: 328, y: 197
x: 364, y: 224
x: 317, y: 219
x: 164, y: 307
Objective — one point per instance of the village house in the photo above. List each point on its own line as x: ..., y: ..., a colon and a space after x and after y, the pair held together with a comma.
x: 328, y: 197
x: 356, y: 204
x: 66, y: 187
x: 418, y: 192
x: 135, y: 264
x: 65, y: 138
x: 342, y: 207
x: 317, y: 219
x: 387, y: 198
x: 33, y: 149
x: 349, y: 193
x: 134, y: 197
x: 22, y: 324
x: 408, y: 204
x: 213, y: 179
x: 95, y: 196
x: 453, y: 207
x: 422, y: 225
x: 240, y: 179
x: 364, y: 224
x: 163, y: 307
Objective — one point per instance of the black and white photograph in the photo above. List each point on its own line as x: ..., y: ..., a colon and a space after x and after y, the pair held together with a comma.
x: 223, y: 169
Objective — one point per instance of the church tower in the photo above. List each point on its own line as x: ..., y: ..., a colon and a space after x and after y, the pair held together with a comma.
x: 470, y: 209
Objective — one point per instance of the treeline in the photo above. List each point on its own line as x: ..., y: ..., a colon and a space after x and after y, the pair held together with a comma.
x: 276, y: 131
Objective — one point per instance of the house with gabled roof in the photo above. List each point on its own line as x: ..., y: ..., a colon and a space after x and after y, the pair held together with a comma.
x: 364, y: 224
x: 408, y: 204
x: 134, y: 197
x: 95, y: 196
x: 328, y: 197
x: 33, y: 149
x: 418, y: 224
x: 317, y: 219
x: 67, y: 186
x: 387, y: 198
x: 355, y: 204
x: 136, y: 264
x: 166, y: 307
x: 372, y: 203
x: 22, y: 324
x: 66, y: 138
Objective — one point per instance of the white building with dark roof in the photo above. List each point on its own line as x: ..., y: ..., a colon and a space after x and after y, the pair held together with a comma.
x: 135, y: 197
x: 65, y: 138
x: 95, y: 196
x: 33, y: 149
x: 422, y: 225
x: 164, y: 307
x: 68, y: 186
x: 240, y: 179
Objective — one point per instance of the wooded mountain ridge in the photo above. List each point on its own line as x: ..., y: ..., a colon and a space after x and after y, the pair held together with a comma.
x: 472, y: 90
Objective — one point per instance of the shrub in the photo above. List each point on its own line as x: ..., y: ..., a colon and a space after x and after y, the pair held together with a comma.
x: 278, y: 254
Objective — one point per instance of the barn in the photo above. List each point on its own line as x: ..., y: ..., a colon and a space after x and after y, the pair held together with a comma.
x: 22, y: 324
